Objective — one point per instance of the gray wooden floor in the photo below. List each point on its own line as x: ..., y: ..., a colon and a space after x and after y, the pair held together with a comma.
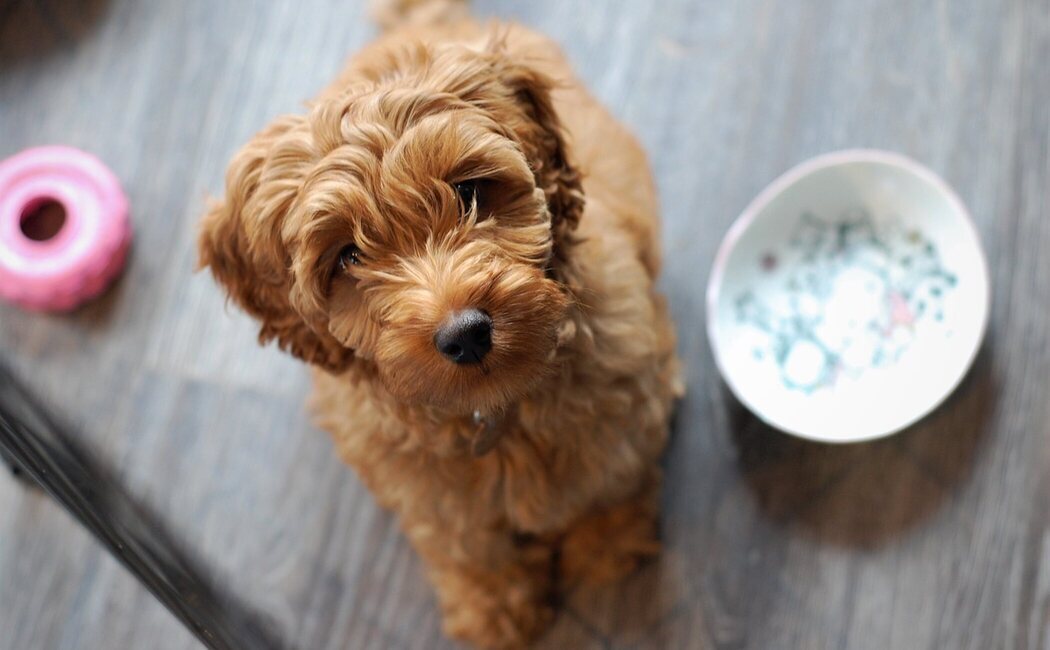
x: 937, y: 538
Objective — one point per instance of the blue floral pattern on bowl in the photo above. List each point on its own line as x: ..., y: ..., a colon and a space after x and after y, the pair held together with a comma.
x: 850, y: 293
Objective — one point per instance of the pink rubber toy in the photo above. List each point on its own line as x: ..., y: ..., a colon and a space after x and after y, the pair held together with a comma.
x: 79, y: 255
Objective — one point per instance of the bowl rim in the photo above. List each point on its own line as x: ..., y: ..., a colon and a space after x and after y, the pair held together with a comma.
x: 746, y: 219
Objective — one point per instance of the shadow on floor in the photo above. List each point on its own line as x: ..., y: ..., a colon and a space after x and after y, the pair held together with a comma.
x: 98, y: 313
x: 42, y: 450
x: 867, y: 494
x: 30, y: 29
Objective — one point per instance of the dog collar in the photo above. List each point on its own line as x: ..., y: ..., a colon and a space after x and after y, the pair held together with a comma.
x: 487, y: 433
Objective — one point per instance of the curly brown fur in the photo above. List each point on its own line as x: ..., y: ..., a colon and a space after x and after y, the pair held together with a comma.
x: 582, y: 371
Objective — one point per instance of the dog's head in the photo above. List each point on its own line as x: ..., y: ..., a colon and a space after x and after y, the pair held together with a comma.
x: 417, y: 222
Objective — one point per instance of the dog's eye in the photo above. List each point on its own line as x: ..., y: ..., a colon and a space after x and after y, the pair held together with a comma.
x: 350, y: 255
x: 468, y: 194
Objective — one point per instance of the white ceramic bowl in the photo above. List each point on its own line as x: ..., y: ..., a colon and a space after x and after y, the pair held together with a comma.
x: 850, y: 298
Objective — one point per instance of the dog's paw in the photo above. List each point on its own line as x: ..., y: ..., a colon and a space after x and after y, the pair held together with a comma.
x: 500, y: 620
x: 607, y: 546
x: 501, y: 610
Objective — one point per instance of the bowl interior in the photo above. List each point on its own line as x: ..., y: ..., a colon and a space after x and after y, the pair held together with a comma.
x: 850, y: 299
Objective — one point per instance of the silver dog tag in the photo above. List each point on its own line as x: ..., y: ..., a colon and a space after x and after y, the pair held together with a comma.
x: 486, y: 435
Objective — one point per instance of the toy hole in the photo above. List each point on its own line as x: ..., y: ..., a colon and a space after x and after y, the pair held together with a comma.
x: 42, y: 219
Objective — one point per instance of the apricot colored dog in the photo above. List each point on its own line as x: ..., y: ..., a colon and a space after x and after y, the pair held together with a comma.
x: 464, y: 243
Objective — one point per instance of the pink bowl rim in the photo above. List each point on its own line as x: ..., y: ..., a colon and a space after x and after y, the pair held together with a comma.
x: 782, y: 183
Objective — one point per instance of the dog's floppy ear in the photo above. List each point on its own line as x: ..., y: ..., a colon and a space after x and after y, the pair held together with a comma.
x: 543, y: 140
x: 240, y: 240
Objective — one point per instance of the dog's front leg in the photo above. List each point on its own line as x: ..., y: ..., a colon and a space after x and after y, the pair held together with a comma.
x: 607, y: 544
x: 493, y: 587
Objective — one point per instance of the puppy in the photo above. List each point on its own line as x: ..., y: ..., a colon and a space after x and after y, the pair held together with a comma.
x: 464, y: 243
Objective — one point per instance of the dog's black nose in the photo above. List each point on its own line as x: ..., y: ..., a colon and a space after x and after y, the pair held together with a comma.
x: 465, y: 336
